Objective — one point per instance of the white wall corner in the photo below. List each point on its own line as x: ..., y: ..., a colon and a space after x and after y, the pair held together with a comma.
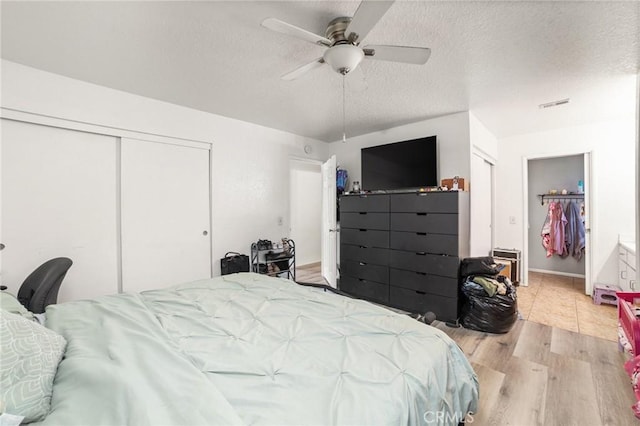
x: 483, y: 141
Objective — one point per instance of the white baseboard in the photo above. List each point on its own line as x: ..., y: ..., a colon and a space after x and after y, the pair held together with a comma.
x: 564, y: 274
x: 308, y: 265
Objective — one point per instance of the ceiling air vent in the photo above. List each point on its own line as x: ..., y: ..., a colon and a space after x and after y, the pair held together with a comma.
x: 554, y: 103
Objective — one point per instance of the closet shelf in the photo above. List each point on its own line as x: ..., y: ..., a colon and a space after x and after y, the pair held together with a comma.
x: 560, y: 197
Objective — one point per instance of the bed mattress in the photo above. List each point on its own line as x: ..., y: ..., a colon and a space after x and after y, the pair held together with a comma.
x: 250, y: 349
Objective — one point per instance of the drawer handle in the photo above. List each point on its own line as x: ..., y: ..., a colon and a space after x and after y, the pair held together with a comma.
x: 421, y: 273
x: 361, y: 280
x: 421, y: 233
x: 421, y: 214
x: 421, y: 253
x: 362, y: 230
x: 420, y: 292
x: 362, y: 264
x: 362, y: 212
x: 362, y: 247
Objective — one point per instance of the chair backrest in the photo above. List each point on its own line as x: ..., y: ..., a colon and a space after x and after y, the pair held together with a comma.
x: 41, y: 286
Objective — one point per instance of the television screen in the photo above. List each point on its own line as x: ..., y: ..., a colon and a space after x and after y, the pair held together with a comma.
x: 401, y: 165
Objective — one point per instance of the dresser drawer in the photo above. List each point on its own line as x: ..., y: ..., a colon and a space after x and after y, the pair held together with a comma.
x: 364, y: 203
x: 433, y: 284
x: 364, y: 237
x: 432, y: 223
x: 421, y: 242
x: 445, y: 308
x: 364, y: 220
x: 425, y: 202
x: 376, y: 256
x: 444, y: 266
x: 365, y: 271
x: 365, y: 289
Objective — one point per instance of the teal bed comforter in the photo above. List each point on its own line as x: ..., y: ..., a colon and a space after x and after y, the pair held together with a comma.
x: 249, y: 349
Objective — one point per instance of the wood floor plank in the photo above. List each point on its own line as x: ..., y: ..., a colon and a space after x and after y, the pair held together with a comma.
x: 534, y: 343
x: 490, y: 383
x: 614, y: 395
x: 523, y: 394
x: 495, y: 350
x: 467, y: 340
x: 571, y: 394
x: 490, y: 350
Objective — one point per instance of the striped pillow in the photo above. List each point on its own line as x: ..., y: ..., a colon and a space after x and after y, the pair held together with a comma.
x: 30, y: 354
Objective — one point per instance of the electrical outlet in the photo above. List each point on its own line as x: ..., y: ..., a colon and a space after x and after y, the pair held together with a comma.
x: 512, y: 220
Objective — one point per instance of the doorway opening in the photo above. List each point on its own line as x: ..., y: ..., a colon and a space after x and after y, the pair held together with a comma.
x: 557, y: 280
x: 305, y: 194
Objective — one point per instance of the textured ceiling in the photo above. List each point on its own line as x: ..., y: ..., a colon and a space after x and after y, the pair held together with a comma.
x: 499, y: 59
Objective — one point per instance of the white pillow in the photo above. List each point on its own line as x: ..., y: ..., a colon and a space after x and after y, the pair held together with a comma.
x: 30, y: 354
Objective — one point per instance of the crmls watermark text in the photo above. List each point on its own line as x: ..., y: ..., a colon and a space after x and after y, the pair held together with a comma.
x: 445, y: 417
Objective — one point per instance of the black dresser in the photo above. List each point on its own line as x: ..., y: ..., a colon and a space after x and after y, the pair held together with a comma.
x: 404, y: 249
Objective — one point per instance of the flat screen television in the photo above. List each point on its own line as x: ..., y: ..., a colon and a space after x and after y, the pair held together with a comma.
x: 402, y: 165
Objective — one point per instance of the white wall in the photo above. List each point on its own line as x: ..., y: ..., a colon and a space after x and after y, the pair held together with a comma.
x: 453, y: 144
x: 306, y: 211
x: 250, y: 162
x: 613, y: 190
x: 482, y: 139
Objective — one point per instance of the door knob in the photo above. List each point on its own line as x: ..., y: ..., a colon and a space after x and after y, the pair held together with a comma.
x: 205, y: 233
x: 2, y: 246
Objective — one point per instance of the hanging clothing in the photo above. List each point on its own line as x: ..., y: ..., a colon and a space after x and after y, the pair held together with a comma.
x: 552, y: 233
x: 575, y: 232
x: 545, y: 233
x: 558, y: 225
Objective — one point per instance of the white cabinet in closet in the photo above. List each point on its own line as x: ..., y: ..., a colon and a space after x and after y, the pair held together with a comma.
x: 165, y: 214
x: 626, y: 268
x: 58, y: 199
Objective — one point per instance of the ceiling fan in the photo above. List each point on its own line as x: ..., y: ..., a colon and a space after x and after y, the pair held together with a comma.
x: 343, y: 38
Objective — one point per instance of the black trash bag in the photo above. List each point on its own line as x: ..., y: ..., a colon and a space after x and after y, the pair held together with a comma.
x: 480, y: 266
x: 495, y: 314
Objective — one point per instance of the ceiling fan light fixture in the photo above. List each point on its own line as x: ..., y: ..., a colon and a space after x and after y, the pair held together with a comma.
x: 343, y: 58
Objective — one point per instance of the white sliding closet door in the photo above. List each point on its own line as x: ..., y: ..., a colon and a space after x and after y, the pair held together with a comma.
x: 165, y: 214
x: 58, y: 199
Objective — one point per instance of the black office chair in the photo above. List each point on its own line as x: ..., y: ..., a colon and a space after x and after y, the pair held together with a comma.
x: 40, y: 289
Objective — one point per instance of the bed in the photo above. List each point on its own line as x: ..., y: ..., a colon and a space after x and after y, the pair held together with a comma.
x: 250, y: 349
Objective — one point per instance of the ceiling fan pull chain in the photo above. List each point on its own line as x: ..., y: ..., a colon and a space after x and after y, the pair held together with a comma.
x: 344, y: 132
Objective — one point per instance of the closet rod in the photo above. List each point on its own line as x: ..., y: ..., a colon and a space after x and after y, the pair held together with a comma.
x: 559, y: 196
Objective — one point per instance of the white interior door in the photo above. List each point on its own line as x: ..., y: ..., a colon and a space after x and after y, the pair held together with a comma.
x: 165, y: 214
x: 329, y: 223
x: 58, y: 193
x: 481, y: 208
x: 588, y: 247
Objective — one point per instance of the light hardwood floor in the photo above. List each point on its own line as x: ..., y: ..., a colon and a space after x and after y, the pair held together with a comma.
x: 310, y: 274
x: 542, y: 375
x: 539, y: 374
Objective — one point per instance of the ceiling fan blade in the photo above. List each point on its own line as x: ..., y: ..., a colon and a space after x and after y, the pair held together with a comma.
x: 303, y: 69
x: 288, y: 29
x: 365, y: 18
x: 409, y: 55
